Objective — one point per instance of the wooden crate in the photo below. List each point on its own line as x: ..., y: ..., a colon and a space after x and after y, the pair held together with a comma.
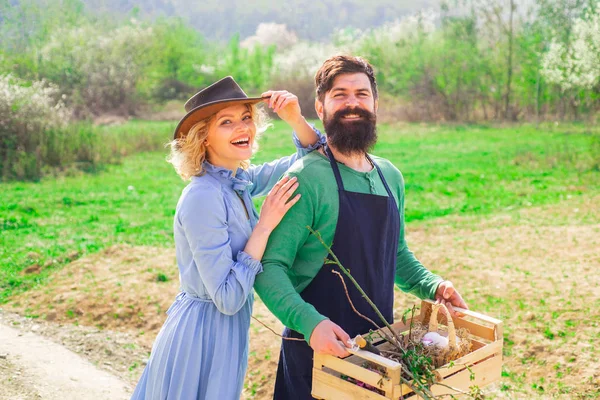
x: 484, y: 361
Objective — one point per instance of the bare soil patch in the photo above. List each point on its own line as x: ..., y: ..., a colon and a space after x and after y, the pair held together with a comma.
x: 534, y: 268
x: 123, y: 288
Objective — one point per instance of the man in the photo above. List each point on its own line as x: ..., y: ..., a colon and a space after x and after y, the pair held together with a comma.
x: 363, y: 218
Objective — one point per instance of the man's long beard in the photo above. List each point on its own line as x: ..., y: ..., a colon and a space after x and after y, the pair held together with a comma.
x: 349, y: 137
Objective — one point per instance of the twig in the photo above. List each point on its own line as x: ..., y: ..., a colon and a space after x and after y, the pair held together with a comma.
x: 386, y: 336
x: 393, y: 353
x: 416, y: 385
x: 362, y: 292
x: 284, y: 338
x: 457, y: 390
x: 350, y: 301
x: 412, y: 316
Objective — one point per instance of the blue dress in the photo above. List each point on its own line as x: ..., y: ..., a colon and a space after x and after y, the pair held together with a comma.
x: 201, y: 352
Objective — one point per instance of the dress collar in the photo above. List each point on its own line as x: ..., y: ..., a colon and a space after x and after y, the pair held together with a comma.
x: 225, y: 176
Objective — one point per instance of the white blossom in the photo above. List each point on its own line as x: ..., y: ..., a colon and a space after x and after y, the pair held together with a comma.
x: 303, y: 59
x: 30, y: 106
x: 204, y: 69
x: 269, y: 34
x: 406, y: 29
x: 576, y: 64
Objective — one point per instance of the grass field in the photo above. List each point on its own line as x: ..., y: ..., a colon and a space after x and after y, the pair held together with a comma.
x: 517, y: 200
x: 448, y: 171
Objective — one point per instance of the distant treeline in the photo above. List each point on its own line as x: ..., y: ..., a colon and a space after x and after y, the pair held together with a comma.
x: 313, y: 20
x: 495, y: 61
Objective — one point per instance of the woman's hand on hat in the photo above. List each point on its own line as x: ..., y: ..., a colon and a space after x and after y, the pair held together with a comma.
x: 285, y: 104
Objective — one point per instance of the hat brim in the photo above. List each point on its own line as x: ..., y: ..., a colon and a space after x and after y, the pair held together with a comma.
x: 206, y: 110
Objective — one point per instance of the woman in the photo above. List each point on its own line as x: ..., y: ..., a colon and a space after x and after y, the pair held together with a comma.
x: 201, y: 352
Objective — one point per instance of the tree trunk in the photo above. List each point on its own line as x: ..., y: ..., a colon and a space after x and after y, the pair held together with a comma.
x: 507, y: 113
x: 537, y: 99
x: 483, y: 101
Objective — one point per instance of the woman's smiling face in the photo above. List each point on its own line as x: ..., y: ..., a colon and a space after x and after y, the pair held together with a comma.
x: 231, y: 137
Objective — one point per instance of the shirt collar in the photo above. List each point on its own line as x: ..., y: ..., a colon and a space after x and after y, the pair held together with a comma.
x: 225, y: 176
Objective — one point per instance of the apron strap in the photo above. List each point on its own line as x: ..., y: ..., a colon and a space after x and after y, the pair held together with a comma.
x: 338, y: 176
x: 335, y: 168
x: 387, y: 188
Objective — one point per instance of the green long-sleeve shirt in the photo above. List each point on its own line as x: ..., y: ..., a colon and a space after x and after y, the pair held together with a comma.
x: 294, y: 257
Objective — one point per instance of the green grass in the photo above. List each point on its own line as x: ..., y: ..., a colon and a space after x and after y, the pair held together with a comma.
x: 448, y: 170
x: 481, y: 170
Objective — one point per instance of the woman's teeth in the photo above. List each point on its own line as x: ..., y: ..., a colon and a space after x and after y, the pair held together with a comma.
x: 241, y: 142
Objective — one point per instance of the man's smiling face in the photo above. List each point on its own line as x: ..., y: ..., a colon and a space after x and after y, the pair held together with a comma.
x: 348, y: 113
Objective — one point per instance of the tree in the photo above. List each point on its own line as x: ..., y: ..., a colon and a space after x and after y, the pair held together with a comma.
x: 576, y: 65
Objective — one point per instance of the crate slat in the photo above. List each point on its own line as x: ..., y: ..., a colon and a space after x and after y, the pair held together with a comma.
x: 491, y: 350
x: 353, y: 370
x: 469, y: 313
x: 374, y: 358
x: 326, y: 386
x: 475, y: 329
x: 485, y: 373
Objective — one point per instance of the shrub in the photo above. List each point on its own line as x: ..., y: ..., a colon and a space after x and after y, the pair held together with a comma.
x: 176, y: 58
x: 99, y: 70
x: 27, y: 112
x: 38, y: 135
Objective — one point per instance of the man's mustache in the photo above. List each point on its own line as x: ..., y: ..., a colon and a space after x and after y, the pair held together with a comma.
x: 361, y: 112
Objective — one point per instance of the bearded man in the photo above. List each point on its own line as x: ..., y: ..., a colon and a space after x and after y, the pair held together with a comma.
x: 363, y: 218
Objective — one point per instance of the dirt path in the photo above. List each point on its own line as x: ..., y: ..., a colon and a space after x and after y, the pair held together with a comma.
x: 33, y: 367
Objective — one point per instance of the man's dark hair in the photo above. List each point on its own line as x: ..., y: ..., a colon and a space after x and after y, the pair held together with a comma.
x: 338, y: 65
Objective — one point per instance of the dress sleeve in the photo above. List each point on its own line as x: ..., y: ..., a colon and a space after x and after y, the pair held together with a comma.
x: 228, y: 280
x: 265, y: 176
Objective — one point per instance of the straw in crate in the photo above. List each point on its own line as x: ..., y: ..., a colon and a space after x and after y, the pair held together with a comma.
x: 441, y: 344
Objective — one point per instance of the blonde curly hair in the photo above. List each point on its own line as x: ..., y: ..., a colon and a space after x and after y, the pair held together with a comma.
x: 188, y: 152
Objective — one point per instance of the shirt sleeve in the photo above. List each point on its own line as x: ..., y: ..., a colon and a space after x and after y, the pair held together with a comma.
x: 411, y: 276
x: 275, y: 285
x: 265, y: 176
x: 228, y: 281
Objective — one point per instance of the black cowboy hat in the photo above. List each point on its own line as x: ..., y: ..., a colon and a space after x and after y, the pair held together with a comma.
x: 221, y: 94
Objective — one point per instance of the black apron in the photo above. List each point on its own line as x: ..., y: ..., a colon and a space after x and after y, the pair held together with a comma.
x: 366, y: 243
